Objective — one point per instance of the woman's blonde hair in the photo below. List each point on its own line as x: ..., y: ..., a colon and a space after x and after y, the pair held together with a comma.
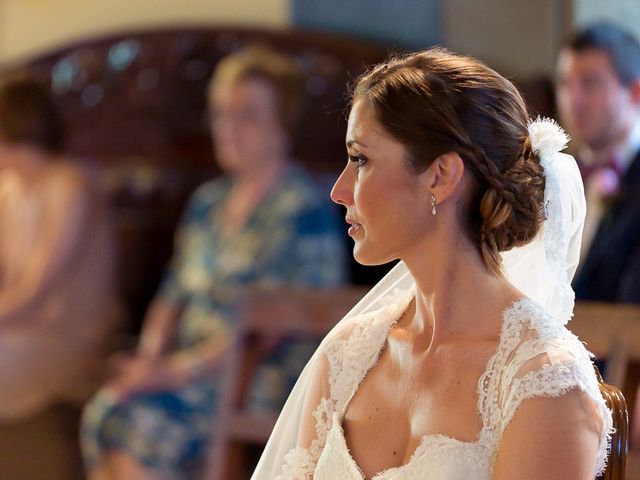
x: 259, y: 62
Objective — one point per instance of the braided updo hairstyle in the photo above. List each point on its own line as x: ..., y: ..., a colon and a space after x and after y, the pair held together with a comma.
x: 435, y: 102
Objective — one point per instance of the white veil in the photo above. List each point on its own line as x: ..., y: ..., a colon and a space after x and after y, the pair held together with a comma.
x: 542, y: 269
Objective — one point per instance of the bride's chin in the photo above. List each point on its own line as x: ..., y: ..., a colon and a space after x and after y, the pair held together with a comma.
x: 368, y: 259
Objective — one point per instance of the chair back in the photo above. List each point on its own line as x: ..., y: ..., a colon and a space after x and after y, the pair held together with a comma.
x: 612, y: 333
x: 617, y: 461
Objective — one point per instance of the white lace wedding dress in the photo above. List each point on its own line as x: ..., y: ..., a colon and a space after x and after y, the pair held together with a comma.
x: 536, y: 357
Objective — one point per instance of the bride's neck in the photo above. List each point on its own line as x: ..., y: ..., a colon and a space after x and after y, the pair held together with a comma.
x: 456, y: 294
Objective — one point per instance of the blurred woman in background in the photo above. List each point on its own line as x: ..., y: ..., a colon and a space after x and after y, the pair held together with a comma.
x: 57, y: 298
x: 263, y: 222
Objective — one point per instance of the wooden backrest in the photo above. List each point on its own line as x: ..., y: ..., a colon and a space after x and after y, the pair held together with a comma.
x: 612, y: 332
x: 134, y: 103
x: 617, y: 461
x: 140, y: 96
x: 265, y: 314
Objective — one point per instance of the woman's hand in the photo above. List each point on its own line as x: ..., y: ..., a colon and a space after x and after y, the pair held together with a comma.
x: 134, y: 373
x: 138, y: 374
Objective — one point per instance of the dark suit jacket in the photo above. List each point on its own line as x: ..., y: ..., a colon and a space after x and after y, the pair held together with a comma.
x: 611, y: 269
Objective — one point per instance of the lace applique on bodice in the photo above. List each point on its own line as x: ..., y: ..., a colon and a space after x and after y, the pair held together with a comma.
x: 536, y: 357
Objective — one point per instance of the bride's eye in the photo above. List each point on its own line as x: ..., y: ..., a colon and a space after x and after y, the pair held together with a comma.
x: 359, y: 160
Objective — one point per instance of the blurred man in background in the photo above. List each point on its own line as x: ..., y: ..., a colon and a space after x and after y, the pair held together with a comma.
x: 598, y: 95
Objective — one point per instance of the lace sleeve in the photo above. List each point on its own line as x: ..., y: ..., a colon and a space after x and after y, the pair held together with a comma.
x: 551, y: 368
x: 299, y: 463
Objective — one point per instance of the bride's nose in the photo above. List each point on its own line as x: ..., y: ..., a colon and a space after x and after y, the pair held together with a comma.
x: 342, y: 191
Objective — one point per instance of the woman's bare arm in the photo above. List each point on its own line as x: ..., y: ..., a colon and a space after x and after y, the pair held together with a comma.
x: 62, y: 233
x: 551, y: 438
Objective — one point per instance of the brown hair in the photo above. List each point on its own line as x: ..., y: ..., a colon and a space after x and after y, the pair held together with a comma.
x: 435, y: 102
x: 29, y: 115
x: 262, y: 63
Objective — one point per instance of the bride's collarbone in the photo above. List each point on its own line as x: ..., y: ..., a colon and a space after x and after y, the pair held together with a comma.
x: 454, y: 364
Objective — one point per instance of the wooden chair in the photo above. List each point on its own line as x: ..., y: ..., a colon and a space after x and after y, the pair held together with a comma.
x: 42, y: 447
x: 265, y: 314
x: 612, y: 332
x: 617, y: 462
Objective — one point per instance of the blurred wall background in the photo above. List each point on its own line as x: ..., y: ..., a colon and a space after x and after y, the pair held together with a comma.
x: 519, y: 37
x: 624, y: 12
x: 31, y: 27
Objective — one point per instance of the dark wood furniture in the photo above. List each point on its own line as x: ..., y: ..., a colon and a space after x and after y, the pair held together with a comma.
x: 617, y: 461
x: 612, y: 332
x: 135, y: 109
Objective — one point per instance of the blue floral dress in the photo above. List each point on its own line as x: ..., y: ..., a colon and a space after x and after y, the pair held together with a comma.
x: 293, y: 237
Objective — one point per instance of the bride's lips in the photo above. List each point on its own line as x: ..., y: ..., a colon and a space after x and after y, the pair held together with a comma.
x: 354, y: 227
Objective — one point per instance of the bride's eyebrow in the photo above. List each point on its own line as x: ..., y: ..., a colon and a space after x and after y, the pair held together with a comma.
x: 351, y: 143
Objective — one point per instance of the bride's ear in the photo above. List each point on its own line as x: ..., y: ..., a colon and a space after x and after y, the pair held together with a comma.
x: 445, y: 176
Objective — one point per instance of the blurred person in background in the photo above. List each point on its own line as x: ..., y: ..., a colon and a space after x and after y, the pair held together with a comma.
x: 598, y: 97
x: 58, y: 305
x: 263, y: 222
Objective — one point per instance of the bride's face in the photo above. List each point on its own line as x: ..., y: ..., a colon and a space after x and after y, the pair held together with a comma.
x: 387, y: 202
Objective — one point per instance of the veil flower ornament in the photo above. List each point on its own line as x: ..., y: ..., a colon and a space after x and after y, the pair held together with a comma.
x: 547, y: 138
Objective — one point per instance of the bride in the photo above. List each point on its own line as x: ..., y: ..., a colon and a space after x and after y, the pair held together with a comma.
x: 458, y: 364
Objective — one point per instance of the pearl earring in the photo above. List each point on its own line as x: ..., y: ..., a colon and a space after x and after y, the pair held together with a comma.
x: 433, y: 205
